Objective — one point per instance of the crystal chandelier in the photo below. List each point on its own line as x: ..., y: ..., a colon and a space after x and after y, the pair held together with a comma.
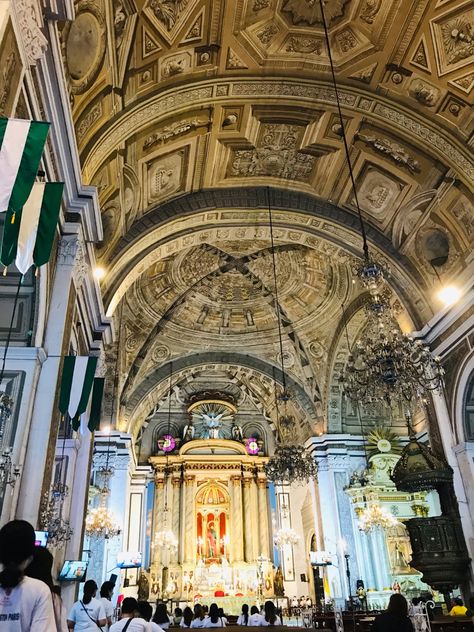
x: 166, y: 539
x: 100, y: 523
x: 375, y: 516
x: 285, y: 536
x: 6, y: 407
x: 387, y: 365
x: 59, y: 530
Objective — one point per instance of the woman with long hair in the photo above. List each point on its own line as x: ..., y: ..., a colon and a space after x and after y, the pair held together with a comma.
x: 161, y: 616
x: 244, y: 616
x: 87, y: 614
x: 199, y: 617
x: 214, y: 620
x: 270, y: 616
x: 25, y: 603
x: 255, y: 616
x: 187, y: 618
x: 395, y: 618
x: 40, y: 568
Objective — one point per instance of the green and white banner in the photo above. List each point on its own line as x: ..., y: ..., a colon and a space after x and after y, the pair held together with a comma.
x: 21, y: 147
x: 28, y: 233
x: 76, y: 385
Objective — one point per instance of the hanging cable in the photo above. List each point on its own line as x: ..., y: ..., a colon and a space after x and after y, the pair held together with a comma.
x: 344, y: 137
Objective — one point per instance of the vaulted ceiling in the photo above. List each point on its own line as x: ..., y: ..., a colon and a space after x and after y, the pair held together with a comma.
x: 192, y: 116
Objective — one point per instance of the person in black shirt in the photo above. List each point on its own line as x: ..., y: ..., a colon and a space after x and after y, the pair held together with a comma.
x: 395, y: 618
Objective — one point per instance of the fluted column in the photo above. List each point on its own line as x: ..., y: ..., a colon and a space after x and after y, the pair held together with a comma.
x: 158, y: 513
x: 254, y: 515
x: 189, y: 539
x: 263, y: 516
x: 249, y: 517
x: 175, y: 514
x: 238, y: 534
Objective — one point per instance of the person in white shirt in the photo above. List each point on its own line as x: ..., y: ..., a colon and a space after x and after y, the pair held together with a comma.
x: 199, y: 618
x: 187, y: 618
x: 145, y: 611
x: 106, y: 592
x: 25, y: 603
x: 128, y: 621
x: 243, y: 619
x: 255, y: 616
x: 270, y: 616
x: 87, y: 614
x: 214, y: 620
x: 161, y: 616
x: 40, y: 568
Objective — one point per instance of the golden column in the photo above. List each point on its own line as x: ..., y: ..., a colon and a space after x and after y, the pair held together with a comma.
x: 248, y: 516
x: 236, y: 517
x: 189, y: 518
x: 254, y: 514
x: 175, y: 514
x: 263, y: 515
x: 158, y: 512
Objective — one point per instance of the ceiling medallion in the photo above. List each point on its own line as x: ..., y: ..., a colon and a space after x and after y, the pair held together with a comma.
x: 309, y: 11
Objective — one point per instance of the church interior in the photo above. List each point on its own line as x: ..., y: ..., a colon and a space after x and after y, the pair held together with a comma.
x: 244, y: 370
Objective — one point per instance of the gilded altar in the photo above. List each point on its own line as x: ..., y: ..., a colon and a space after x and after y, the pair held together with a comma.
x: 212, y: 494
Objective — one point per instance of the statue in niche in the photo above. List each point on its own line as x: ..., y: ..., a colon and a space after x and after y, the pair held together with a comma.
x: 211, y: 539
x: 399, y: 558
x: 188, y: 433
x: 237, y: 434
x: 143, y: 587
x: 212, y: 424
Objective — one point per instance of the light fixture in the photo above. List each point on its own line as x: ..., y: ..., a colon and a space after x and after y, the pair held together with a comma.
x: 6, y: 407
x: 290, y: 463
x: 99, y: 273
x: 51, y: 520
x: 100, y: 523
x: 374, y: 516
x: 285, y: 536
x: 449, y: 295
x: 9, y: 472
x: 165, y: 538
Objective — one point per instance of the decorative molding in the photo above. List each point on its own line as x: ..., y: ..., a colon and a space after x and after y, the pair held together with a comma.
x: 29, y: 21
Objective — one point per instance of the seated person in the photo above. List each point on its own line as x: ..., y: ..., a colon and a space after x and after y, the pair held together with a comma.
x: 459, y: 609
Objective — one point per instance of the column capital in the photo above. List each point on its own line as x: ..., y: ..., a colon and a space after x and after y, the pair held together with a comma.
x: 189, y: 478
x: 236, y: 479
x: 176, y: 482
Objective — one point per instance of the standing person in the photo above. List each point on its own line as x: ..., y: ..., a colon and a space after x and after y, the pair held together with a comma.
x: 106, y: 592
x: 244, y: 617
x: 87, y: 614
x: 145, y: 611
x: 395, y: 618
x: 128, y: 621
x: 255, y: 616
x: 161, y: 616
x: 40, y: 568
x: 214, y: 620
x: 25, y: 603
x: 187, y: 618
x: 270, y: 616
x: 199, y: 618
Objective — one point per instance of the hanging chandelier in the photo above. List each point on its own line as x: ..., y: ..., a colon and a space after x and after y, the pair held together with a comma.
x: 285, y: 536
x: 51, y: 520
x: 290, y: 463
x: 375, y: 516
x: 167, y: 540
x: 389, y: 366
x: 100, y: 523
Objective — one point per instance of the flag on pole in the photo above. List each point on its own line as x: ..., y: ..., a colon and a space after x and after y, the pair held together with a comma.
x: 76, y: 385
x: 21, y: 147
x: 29, y: 238
x: 96, y: 403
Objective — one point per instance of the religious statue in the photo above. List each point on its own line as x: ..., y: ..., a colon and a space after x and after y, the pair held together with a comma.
x: 211, y: 540
x: 278, y: 583
x: 237, y: 434
x: 212, y: 424
x: 188, y: 433
x: 399, y: 557
x: 143, y: 587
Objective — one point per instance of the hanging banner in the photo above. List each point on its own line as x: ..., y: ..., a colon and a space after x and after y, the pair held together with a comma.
x: 29, y: 238
x: 76, y: 386
x: 21, y: 147
x: 96, y: 404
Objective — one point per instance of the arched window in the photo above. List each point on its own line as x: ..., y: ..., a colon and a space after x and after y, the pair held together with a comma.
x: 469, y: 409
